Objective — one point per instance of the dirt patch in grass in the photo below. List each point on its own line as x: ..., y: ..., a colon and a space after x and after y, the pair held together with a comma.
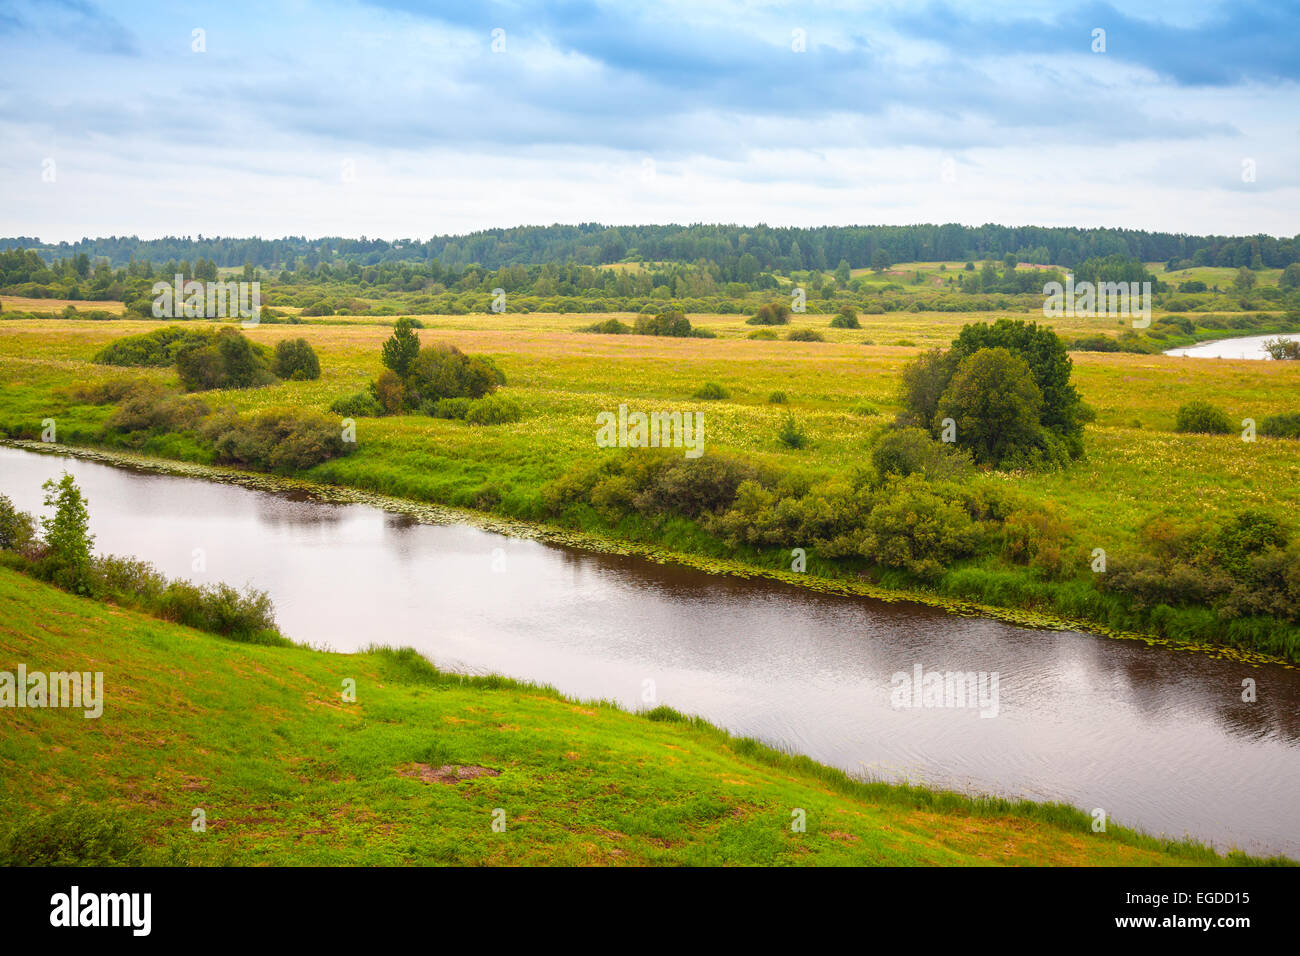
x: 447, y: 773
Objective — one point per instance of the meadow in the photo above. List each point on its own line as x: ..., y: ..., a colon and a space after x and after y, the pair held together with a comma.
x: 210, y: 752
x: 842, y: 392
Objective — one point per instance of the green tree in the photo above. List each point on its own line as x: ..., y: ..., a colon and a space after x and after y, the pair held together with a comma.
x: 995, y: 404
x: 295, y: 360
x: 1245, y: 281
x: 842, y: 273
x: 401, y: 348
x: 880, y: 260
x: 67, y: 534
x: 1290, y: 278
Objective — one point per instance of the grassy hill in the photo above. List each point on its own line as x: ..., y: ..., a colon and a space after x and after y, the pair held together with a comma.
x: 287, y: 772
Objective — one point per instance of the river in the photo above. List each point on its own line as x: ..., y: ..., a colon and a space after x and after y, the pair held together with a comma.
x: 1159, y: 739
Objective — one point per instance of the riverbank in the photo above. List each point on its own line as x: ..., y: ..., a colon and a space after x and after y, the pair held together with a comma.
x: 260, y: 744
x: 439, y: 514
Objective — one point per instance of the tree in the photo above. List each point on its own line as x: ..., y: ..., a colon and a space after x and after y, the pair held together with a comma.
x: 67, y: 534
x: 17, y: 529
x: 401, y: 348
x: 880, y: 260
x: 1290, y: 278
x: 1063, y: 411
x: 1245, y: 281
x: 995, y: 404
x: 924, y: 382
x: 842, y: 273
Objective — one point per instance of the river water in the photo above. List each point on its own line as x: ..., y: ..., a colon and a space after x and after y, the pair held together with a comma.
x: 1159, y: 739
x: 1240, y: 347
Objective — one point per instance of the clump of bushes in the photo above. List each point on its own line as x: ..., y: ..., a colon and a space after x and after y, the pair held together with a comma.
x: 295, y: 361
x: 846, y: 318
x: 156, y: 349
x: 494, y: 410
x: 804, y: 335
x: 277, y: 441
x: 711, y: 391
x: 416, y: 377
x: 1202, y: 418
x: 608, y: 327
x: 671, y: 323
x: 72, y: 835
x: 227, y: 359
x: 361, y: 405
x: 773, y: 313
x: 777, y: 398
x: 1285, y: 425
x: 764, y: 334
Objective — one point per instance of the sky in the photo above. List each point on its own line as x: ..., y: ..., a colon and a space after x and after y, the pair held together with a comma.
x: 405, y: 119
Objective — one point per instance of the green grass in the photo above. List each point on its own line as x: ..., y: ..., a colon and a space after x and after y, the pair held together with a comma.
x: 1136, y: 467
x: 286, y: 772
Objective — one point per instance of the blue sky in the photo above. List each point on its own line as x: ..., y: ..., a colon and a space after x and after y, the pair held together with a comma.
x: 399, y: 118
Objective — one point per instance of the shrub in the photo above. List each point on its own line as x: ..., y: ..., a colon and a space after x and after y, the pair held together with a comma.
x: 444, y: 371
x: 72, y: 835
x: 865, y: 409
x: 17, y: 528
x: 804, y: 335
x: 278, y: 441
x: 149, y: 409
x: 295, y: 361
x: 1037, y: 538
x: 1202, y: 418
x: 608, y: 327
x: 905, y: 451
x: 773, y: 313
x: 764, y: 334
x: 791, y: 434
x: 846, y: 318
x: 453, y: 408
x: 226, y: 360
x: 389, y: 392
x: 494, y: 410
x: 1282, y: 349
x: 1285, y: 425
x: 671, y: 323
x: 155, y: 349
x: 777, y: 398
x: 361, y: 405
x: 915, y: 527
x: 711, y: 391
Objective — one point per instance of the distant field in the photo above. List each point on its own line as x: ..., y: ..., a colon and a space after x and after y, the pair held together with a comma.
x: 16, y: 303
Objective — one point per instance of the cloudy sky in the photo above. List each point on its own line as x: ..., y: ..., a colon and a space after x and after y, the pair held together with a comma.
x: 400, y: 118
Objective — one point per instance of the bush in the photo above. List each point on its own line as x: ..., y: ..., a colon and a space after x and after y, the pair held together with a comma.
x: 1037, y: 538
x: 494, y: 410
x: 72, y: 835
x: 905, y: 451
x: 452, y: 408
x: 711, y: 391
x: 156, y: 349
x: 915, y: 527
x: 17, y: 528
x: 361, y: 405
x: 68, y: 540
x: 1285, y: 425
x: 791, y: 434
x: 773, y: 313
x: 225, y: 360
x: 777, y: 398
x: 444, y: 371
x: 865, y: 409
x: 765, y: 334
x: 846, y: 318
x: 148, y: 409
x: 278, y: 441
x: 670, y: 323
x: 804, y: 335
x: 608, y: 327
x: 295, y: 361
x: 1202, y: 418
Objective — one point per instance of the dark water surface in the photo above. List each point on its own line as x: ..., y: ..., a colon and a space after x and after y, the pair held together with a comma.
x: 1159, y: 739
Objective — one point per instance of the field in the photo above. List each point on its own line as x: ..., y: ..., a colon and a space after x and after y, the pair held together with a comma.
x: 285, y: 772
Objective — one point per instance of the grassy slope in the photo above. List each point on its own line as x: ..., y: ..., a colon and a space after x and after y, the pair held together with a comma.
x: 289, y: 774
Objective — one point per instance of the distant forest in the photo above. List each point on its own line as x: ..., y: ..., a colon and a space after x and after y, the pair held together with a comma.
x: 741, y: 252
